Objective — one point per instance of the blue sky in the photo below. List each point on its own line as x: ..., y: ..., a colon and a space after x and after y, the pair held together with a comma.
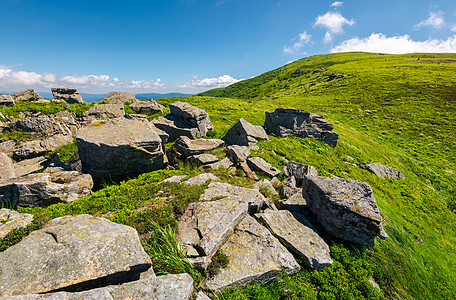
x: 191, y: 45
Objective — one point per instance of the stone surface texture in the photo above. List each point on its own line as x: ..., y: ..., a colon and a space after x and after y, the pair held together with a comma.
x: 244, y: 134
x: 7, y: 100
x: 299, y: 171
x: 119, y: 97
x: 189, y: 147
x: 104, y: 111
x: 256, y: 256
x: 70, y: 252
x: 6, y: 167
x: 28, y: 166
x: 27, y: 95
x: 42, y: 189
x: 346, y: 208
x: 31, y: 149
x: 119, y: 147
x: 193, y: 116
x: 69, y: 95
x: 260, y: 165
x: 238, y: 154
x: 299, y: 236
x: 148, y: 107
x: 205, y: 227
x: 203, y: 159
x: 40, y: 126
x: 11, y: 219
x: 285, y: 122
x: 253, y: 197
x: 201, y: 179
x: 384, y: 171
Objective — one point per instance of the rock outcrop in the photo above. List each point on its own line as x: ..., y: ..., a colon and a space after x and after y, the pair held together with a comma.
x: 71, y: 253
x: 6, y: 100
x: 285, y: 122
x: 299, y: 236
x: 68, y: 95
x: 27, y: 95
x: 35, y: 148
x: 42, y: 189
x: 119, y: 97
x: 260, y: 165
x: 384, y: 171
x: 10, y: 219
x: 40, y: 126
x: 299, y: 171
x: 244, y: 134
x: 6, y: 167
x: 104, y: 111
x: 201, y: 179
x: 238, y: 154
x: 147, y: 107
x: 184, y: 120
x: 119, y: 148
x: 203, y: 159
x: 189, y: 147
x: 345, y: 208
x: 256, y: 256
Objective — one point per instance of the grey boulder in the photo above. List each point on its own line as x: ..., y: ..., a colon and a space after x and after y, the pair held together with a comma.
x: 6, y: 167
x: 148, y: 107
x: 119, y: 97
x: 119, y: 148
x: 7, y: 100
x: 299, y: 171
x: 345, y: 208
x: 10, y: 219
x: 384, y: 171
x: 256, y: 257
x: 104, y: 111
x: 27, y: 95
x: 69, y: 95
x: 299, y: 236
x: 245, y: 134
x: 238, y: 154
x: 40, y: 126
x: 31, y: 149
x: 189, y: 147
x: 260, y: 165
x: 201, y: 179
x: 73, y: 252
x: 203, y: 159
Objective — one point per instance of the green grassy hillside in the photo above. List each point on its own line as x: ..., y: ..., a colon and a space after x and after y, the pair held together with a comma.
x: 398, y: 110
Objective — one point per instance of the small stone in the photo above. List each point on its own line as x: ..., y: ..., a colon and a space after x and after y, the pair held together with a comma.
x: 260, y: 165
x: 238, y: 154
x: 203, y: 159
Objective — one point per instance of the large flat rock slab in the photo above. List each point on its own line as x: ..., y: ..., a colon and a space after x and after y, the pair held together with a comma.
x: 168, y: 287
x: 384, y: 171
x: 189, y: 147
x: 299, y: 236
x: 346, y: 208
x: 10, y: 219
x: 119, y: 148
x: 205, y: 226
x: 253, y: 197
x: 72, y: 252
x: 258, y: 164
x: 69, y: 95
x: 256, y: 256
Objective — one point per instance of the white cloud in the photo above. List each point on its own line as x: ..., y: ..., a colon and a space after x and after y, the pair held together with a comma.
x: 221, y: 81
x: 379, y: 42
x: 300, y: 41
x: 333, y: 22
x: 453, y: 28
x: 435, y: 20
x: 19, y: 79
x: 337, y: 4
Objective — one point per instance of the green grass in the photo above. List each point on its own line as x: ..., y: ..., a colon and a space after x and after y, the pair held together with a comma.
x: 46, y: 108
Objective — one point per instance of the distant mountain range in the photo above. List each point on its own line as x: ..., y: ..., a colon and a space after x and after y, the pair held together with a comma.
x: 99, y: 97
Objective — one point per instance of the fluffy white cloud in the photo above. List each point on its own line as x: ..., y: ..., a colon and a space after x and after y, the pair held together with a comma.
x: 435, y: 20
x: 453, y: 28
x: 300, y: 41
x: 337, y: 4
x: 221, y: 81
x: 334, y: 23
x: 378, y: 42
x: 11, y: 79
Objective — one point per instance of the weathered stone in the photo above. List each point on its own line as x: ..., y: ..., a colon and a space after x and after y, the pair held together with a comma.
x: 287, y: 192
x: 346, y: 208
x: 267, y: 186
x: 250, y: 174
x: 29, y: 166
x: 205, y: 226
x: 260, y: 165
x: 42, y: 189
x: 202, y: 296
x: 189, y: 147
x: 119, y: 97
x: 6, y: 167
x: 119, y: 148
x: 69, y: 119
x: 201, y: 179
x: 290, y: 181
x: 285, y: 122
x: 384, y: 171
x: 299, y: 236
x: 104, y: 111
x: 175, y: 127
x: 36, y: 148
x: 238, y: 154
x: 68, y: 95
x: 253, y: 197
x: 193, y: 116
x: 167, y: 287
x: 148, y: 107
x: 40, y: 126
x: 10, y: 219
x: 224, y: 163
x: 7, y: 100
x: 27, y: 95
x: 244, y: 134
x: 175, y: 178
x: 8, y: 147
x: 203, y: 159
x: 294, y: 203
x: 255, y: 257
x: 299, y: 171
x: 73, y: 252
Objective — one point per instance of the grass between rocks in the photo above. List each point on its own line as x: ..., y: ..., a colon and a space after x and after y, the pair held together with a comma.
x: 398, y: 110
